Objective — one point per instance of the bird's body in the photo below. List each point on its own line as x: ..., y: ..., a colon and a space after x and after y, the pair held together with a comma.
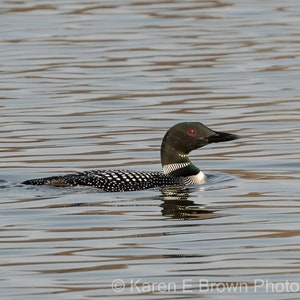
x: 110, y: 180
x: 178, y: 142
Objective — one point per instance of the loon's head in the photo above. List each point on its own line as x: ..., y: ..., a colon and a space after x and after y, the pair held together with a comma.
x: 181, y: 139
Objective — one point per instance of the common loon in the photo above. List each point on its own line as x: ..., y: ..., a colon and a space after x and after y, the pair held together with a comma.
x: 178, y: 142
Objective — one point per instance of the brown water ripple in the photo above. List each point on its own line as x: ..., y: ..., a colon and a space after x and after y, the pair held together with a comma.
x: 96, y: 85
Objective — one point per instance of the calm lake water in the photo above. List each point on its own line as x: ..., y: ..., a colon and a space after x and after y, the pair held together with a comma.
x: 96, y: 84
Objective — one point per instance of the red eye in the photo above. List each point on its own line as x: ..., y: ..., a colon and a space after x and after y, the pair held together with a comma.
x: 192, y: 131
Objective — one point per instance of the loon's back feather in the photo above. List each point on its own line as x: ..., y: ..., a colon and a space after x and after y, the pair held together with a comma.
x: 110, y: 180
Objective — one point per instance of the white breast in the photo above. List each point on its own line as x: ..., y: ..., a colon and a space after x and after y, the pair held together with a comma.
x: 199, y: 178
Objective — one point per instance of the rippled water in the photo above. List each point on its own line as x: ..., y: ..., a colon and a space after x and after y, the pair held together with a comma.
x: 95, y: 85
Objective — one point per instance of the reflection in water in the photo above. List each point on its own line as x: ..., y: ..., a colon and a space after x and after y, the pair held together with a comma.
x: 176, y: 204
x: 176, y: 201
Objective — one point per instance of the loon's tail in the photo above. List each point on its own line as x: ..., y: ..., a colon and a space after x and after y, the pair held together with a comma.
x: 54, y: 181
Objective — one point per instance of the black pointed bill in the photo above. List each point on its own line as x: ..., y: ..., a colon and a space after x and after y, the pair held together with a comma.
x: 222, y: 137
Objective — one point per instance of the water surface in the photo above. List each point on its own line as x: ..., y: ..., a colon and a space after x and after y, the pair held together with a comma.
x: 96, y: 85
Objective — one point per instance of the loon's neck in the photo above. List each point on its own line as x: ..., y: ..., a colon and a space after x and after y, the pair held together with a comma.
x: 176, y: 163
x: 189, y: 172
x: 180, y: 168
